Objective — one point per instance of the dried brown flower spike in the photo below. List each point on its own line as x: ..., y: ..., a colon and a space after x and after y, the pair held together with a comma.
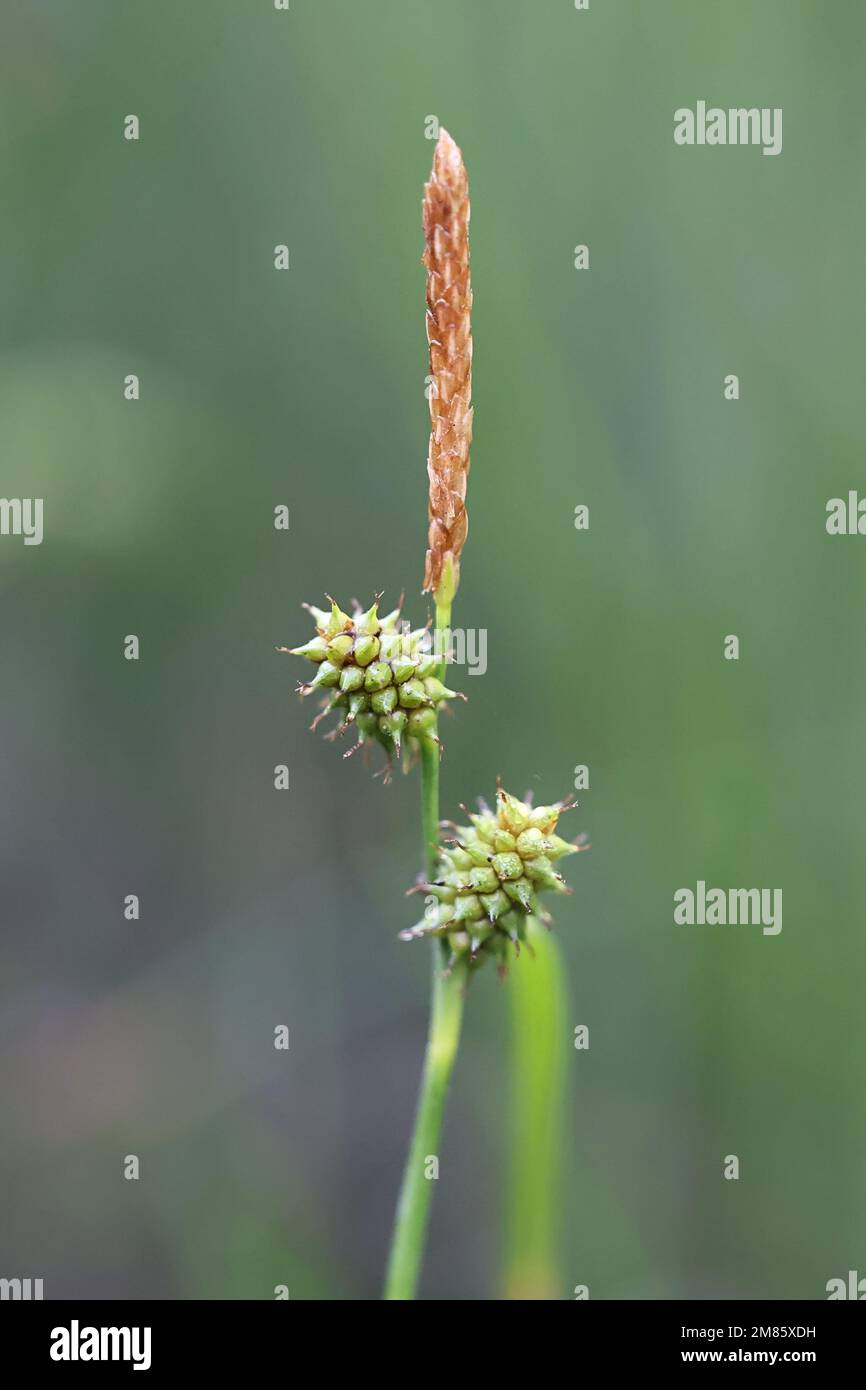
x: 449, y: 334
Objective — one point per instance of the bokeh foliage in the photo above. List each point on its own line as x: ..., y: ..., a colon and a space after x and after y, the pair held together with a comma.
x: 599, y: 387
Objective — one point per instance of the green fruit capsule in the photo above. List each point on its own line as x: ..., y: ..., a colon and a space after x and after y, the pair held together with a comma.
x: 412, y: 694
x: 389, y: 645
x: 339, y: 648
x: 507, y: 866
x: 530, y: 842
x: 520, y: 892
x: 378, y: 676
x: 513, y: 814
x: 351, y: 678
x: 368, y: 624
x: 359, y: 703
x: 441, y: 891
x: 483, y: 879
x: 541, y: 872
x: 392, y: 726
x: 555, y: 848
x: 540, y: 868
x: 485, y: 825
x: 383, y: 701
x: 436, y: 691
x: 337, y: 620
x: 316, y: 650
x: 320, y: 616
x: 467, y: 908
x: 460, y: 859
x: 366, y: 650
x: 403, y: 667
x: 327, y: 674
x: 478, y: 853
x: 479, y: 933
x: 503, y: 841
x: 368, y: 725
x: 495, y: 904
x: 436, y: 918
x: 422, y: 723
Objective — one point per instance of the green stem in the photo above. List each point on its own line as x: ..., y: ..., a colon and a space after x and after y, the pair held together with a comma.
x: 413, y: 1207
x: 539, y: 1042
x: 446, y: 1013
x: 430, y: 806
x: 443, y: 624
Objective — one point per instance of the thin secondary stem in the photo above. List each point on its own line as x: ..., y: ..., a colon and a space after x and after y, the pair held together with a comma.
x: 430, y: 807
x: 442, y: 634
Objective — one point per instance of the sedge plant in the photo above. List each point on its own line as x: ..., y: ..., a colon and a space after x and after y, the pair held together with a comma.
x: 482, y: 880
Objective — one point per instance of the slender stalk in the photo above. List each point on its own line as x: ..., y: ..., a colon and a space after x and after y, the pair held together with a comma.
x: 430, y: 806
x: 539, y: 1020
x: 443, y: 627
x: 446, y: 1013
x: 413, y: 1207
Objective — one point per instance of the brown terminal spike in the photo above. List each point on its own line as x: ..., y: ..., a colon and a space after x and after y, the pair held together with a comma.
x: 449, y: 335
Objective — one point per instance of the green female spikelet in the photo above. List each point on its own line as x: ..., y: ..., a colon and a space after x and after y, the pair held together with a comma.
x: 378, y: 674
x: 489, y: 877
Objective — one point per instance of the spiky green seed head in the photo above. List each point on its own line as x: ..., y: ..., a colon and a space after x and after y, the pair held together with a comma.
x: 489, y: 878
x: 378, y: 674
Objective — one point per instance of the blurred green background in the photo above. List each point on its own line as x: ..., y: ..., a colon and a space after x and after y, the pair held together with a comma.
x: 601, y: 387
